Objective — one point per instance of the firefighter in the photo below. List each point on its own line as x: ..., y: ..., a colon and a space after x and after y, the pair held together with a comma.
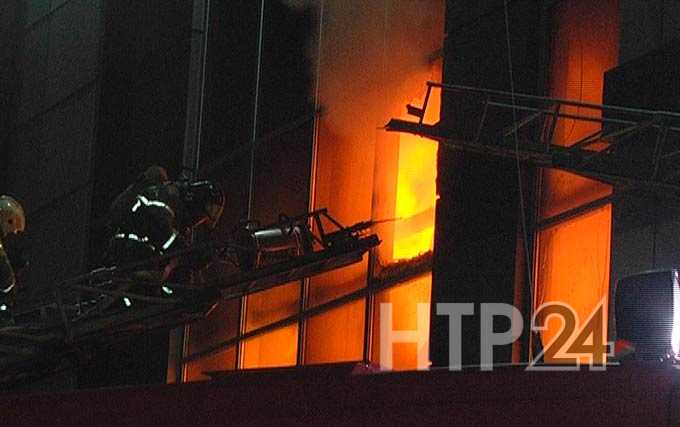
x: 155, y: 216
x: 12, y: 223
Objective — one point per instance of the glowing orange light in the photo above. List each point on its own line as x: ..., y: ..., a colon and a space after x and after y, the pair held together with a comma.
x: 276, y: 348
x: 573, y: 260
x: 573, y: 265
x: 404, y: 299
x: 416, y: 192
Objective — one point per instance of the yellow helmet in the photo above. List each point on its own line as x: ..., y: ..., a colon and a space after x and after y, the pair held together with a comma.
x: 12, y: 218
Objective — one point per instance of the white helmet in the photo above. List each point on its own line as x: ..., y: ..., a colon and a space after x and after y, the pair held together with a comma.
x: 12, y: 218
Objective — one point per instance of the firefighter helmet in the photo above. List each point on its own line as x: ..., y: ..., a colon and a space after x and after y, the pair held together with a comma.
x: 12, y: 218
x: 205, y: 202
x: 155, y: 174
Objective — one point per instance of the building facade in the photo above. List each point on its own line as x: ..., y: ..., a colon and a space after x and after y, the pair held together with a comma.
x: 284, y: 103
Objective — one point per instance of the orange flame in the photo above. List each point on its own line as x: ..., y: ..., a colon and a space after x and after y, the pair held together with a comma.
x: 416, y: 191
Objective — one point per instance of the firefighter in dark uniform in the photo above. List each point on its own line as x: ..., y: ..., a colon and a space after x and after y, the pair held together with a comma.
x: 155, y: 216
x: 12, y: 223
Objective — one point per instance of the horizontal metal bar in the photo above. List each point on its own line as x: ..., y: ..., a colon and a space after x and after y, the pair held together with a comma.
x: 538, y: 158
x: 630, y: 110
x: 574, y: 212
x: 18, y: 333
x: 520, y: 124
x: 98, y: 274
x: 319, y: 309
x: 572, y: 116
x: 629, y: 129
x: 82, y: 330
x: 670, y: 155
x: 16, y: 351
x: 131, y: 295
x: 586, y: 141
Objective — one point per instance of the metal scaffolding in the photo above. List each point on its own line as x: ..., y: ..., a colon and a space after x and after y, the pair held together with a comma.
x: 87, y: 310
x: 632, y: 148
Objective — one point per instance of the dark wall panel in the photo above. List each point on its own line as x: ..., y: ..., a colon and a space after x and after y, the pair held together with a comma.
x: 229, y: 100
x: 645, y: 226
x: 282, y: 164
x: 49, y: 150
x: 49, y: 170
x: 10, y: 83
x: 58, y: 232
x: 143, y: 98
x: 32, y: 64
x: 74, y: 48
x: 477, y: 215
x: 33, y: 10
x: 142, y: 114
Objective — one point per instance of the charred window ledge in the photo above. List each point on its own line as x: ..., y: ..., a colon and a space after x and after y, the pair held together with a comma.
x: 401, y: 271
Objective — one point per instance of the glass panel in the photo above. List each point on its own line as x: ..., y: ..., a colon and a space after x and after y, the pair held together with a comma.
x: 573, y: 256
x: 271, y: 305
x: 405, y: 299
x: 277, y: 348
x: 563, y: 191
x: 220, y: 325
x: 585, y: 46
x: 34, y: 10
x: 364, y: 80
x: 573, y: 265
x: 336, y: 283
x: 222, y: 361
x: 337, y: 335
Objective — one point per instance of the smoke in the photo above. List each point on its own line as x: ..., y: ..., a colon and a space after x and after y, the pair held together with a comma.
x: 370, y: 59
x: 374, y: 57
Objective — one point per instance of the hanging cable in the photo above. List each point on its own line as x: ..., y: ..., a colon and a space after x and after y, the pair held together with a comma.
x: 258, y: 77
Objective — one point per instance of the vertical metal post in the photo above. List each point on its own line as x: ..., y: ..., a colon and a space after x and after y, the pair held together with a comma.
x: 662, y: 132
x: 369, y: 309
x: 304, y: 297
x: 425, y: 102
x: 305, y: 284
x: 553, y: 124
x: 200, y: 23
x: 243, y: 311
x: 196, y: 92
x: 369, y: 301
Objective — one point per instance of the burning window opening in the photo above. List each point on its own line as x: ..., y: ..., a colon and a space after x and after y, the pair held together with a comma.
x: 405, y: 189
x: 416, y: 197
x: 409, y: 239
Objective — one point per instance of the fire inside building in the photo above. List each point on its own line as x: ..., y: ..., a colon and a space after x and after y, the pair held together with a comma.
x: 256, y: 212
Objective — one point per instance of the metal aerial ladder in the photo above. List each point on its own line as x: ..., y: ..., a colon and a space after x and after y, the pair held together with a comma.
x: 632, y: 149
x: 87, y: 310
